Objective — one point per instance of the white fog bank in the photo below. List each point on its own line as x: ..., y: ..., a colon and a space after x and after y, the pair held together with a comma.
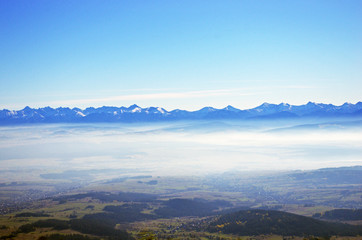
x: 175, y: 148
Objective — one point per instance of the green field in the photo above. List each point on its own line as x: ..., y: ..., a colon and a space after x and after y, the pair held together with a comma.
x: 153, y: 207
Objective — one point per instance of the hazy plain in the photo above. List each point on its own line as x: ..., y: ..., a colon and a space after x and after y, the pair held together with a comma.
x: 176, y: 148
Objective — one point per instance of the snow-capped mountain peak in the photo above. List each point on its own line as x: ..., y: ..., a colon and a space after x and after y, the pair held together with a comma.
x: 135, y: 113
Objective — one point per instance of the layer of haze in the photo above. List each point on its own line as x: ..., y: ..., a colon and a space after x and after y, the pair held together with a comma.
x: 182, y: 148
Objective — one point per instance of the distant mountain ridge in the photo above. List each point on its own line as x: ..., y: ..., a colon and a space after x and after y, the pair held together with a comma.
x: 135, y: 113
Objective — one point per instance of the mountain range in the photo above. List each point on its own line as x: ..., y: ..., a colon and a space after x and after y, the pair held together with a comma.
x: 134, y: 113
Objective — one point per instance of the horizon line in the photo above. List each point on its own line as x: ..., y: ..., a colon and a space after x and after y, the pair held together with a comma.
x: 264, y: 103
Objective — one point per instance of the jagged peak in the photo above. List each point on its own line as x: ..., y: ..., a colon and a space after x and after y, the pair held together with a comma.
x: 347, y: 104
x: 27, y: 108
x: 133, y: 107
x: 209, y: 109
x: 231, y: 108
x: 284, y: 104
x: 266, y: 105
x: 63, y: 108
x: 312, y: 104
x: 46, y: 108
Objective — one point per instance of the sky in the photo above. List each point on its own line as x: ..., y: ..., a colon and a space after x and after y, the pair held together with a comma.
x: 179, y: 54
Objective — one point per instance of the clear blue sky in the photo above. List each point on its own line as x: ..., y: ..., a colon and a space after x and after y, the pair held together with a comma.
x: 179, y: 54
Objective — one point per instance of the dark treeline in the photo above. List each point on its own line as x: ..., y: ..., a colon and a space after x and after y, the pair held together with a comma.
x: 110, y: 197
x: 257, y: 222
x: 189, y: 207
x: 172, y: 208
x: 66, y: 237
x: 341, y: 215
x: 86, y: 226
x: 121, y: 214
x: 31, y: 214
x: 98, y: 228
